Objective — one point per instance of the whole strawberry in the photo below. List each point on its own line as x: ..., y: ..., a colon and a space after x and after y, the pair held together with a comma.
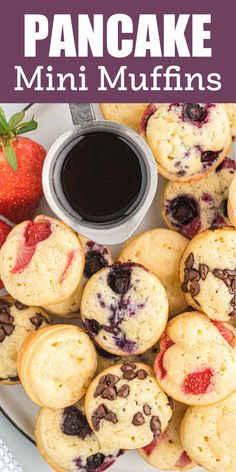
x: 21, y: 163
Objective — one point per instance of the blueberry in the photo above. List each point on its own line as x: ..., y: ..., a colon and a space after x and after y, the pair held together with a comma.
x: 195, y: 112
x: 184, y: 209
x: 209, y: 157
x: 95, y: 461
x: 92, y: 326
x: 119, y: 280
x: 75, y: 423
x: 94, y: 261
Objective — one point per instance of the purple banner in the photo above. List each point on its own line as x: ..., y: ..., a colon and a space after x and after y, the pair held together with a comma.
x: 126, y: 51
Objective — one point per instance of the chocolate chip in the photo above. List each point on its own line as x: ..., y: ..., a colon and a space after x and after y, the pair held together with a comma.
x: 203, y: 271
x: 123, y: 392
x: 111, y: 417
x: 75, y: 423
x: 129, y: 375
x: 184, y: 287
x: 4, y: 304
x: 100, y: 412
x: 119, y: 280
x: 189, y: 261
x: 94, y: 261
x: 147, y: 409
x: 20, y: 306
x: 233, y: 312
x: 38, y: 320
x: 109, y: 380
x: 193, y: 275
x: 138, y: 419
x: 231, y: 272
x: 109, y: 393
x: 220, y: 274
x: 6, y: 318
x: 95, y: 423
x: 194, y: 288
x: 100, y: 388
x: 95, y: 461
x: 2, y: 334
x: 233, y: 301
x: 130, y: 366
x: 155, y: 426
x: 8, y: 329
x: 141, y: 374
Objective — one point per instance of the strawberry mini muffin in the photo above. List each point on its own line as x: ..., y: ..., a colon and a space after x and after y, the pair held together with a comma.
x: 68, y: 444
x: 17, y: 322
x: 191, y: 208
x: 167, y: 452
x: 56, y: 365
x: 97, y: 256
x: 188, y: 140
x: 41, y: 261
x: 124, y: 309
x: 124, y: 404
x: 128, y: 114
x: 160, y: 251
x: 208, y: 434
x: 197, y: 360
x: 231, y: 111
x: 208, y: 273
x: 232, y: 202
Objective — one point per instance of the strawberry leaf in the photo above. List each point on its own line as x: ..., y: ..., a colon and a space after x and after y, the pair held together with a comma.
x: 25, y: 127
x: 4, y: 127
x: 10, y: 155
x: 16, y: 119
x: 2, y: 112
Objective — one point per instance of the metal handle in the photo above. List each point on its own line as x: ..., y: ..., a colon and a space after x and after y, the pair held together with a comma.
x: 81, y: 113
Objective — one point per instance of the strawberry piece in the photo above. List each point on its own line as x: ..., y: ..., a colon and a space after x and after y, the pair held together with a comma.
x: 34, y: 234
x: 165, y: 343
x: 183, y: 461
x: 4, y: 231
x: 70, y: 257
x: 226, y: 331
x: 198, y: 382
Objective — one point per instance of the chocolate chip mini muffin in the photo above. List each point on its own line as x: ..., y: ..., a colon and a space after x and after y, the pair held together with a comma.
x: 191, y: 208
x: 167, y: 452
x: 56, y: 364
x: 68, y: 444
x: 97, y: 256
x: 126, y: 404
x: 232, y: 202
x: 17, y: 322
x: 41, y: 261
x: 124, y: 309
x: 128, y: 114
x: 208, y: 273
x: 160, y: 250
x: 208, y: 434
x: 196, y: 364
x: 188, y: 140
x: 231, y: 111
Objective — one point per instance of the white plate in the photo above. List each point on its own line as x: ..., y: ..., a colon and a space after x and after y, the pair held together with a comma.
x: 53, y: 120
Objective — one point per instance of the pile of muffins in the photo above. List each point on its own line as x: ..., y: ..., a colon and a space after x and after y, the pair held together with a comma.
x: 141, y: 353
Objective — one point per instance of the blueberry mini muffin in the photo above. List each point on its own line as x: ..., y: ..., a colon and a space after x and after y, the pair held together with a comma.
x: 56, y: 364
x: 96, y: 257
x: 124, y: 308
x: 167, y: 452
x: 124, y: 403
x: 188, y: 140
x: 17, y: 322
x: 232, y: 202
x: 191, y: 208
x: 208, y: 434
x: 231, y: 111
x: 160, y: 250
x: 68, y: 444
x: 41, y: 261
x: 128, y: 114
x: 196, y: 364
x: 208, y: 273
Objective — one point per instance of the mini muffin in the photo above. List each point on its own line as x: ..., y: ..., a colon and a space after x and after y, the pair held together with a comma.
x: 124, y: 309
x: 232, y: 202
x: 197, y: 362
x: 231, y: 111
x: 17, y: 322
x: 96, y: 257
x: 67, y: 443
x: 208, y: 434
x: 208, y: 273
x: 41, y: 261
x: 124, y: 403
x: 167, y: 452
x: 191, y: 208
x: 188, y: 140
x: 56, y: 364
x: 128, y: 114
x: 160, y: 250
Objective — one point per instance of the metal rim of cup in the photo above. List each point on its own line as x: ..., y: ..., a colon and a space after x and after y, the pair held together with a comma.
x: 107, y: 233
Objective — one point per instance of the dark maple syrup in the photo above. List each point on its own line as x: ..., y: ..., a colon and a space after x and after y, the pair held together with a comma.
x: 102, y: 177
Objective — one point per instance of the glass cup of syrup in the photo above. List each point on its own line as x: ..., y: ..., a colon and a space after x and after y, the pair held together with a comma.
x: 99, y: 177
